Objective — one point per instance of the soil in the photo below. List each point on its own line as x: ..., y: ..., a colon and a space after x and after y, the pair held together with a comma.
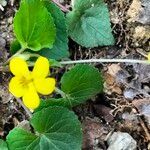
x: 124, y: 106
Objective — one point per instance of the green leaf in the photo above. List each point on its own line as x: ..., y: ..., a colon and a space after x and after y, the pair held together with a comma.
x: 14, y: 47
x: 89, y: 23
x: 21, y: 139
x: 3, y: 145
x: 60, y: 47
x: 54, y: 63
x: 34, y: 26
x: 56, y: 128
x: 64, y: 102
x: 81, y: 83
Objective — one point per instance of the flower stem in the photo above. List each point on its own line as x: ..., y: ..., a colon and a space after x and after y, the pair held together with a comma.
x: 24, y: 107
x: 103, y: 60
x: 19, y: 52
x: 35, y: 55
x: 63, y: 95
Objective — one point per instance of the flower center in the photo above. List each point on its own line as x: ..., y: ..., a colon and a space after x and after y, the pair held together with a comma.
x: 24, y: 81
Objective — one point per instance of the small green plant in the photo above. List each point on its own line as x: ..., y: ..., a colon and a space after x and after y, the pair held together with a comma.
x: 55, y: 126
x: 41, y: 31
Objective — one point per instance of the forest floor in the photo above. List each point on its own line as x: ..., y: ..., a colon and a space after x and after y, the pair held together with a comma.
x: 123, y: 110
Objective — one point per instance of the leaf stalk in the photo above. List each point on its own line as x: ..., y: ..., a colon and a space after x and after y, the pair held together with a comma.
x: 103, y: 60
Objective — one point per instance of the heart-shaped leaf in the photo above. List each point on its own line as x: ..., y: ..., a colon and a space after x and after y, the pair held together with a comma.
x: 89, y: 23
x: 34, y: 26
x: 81, y: 83
x: 56, y: 128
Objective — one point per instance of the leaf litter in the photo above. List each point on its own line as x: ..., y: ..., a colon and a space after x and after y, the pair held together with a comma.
x: 127, y: 86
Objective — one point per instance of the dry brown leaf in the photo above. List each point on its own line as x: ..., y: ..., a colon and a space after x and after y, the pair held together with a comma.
x: 111, y: 85
x: 109, y: 79
x: 104, y: 112
x: 143, y: 106
x: 142, y: 33
x: 116, y: 89
x: 113, y: 69
x: 134, y: 10
x: 93, y: 133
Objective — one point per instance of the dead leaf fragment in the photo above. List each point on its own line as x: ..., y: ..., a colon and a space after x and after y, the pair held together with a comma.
x: 144, y: 15
x: 143, y: 106
x: 113, y: 69
x: 93, y: 134
x: 133, y: 11
x: 109, y: 79
x: 141, y: 33
x: 104, y: 112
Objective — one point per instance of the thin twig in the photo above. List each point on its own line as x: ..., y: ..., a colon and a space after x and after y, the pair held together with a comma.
x: 103, y: 60
x: 142, y: 53
x: 143, y: 125
x: 63, y: 8
x: 1, y: 7
x: 19, y: 52
x: 24, y: 107
x: 144, y: 128
x: 12, y: 2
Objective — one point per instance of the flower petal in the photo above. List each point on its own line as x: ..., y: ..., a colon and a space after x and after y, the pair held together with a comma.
x: 45, y: 86
x: 16, y: 88
x: 19, y: 67
x: 31, y: 98
x: 41, y: 68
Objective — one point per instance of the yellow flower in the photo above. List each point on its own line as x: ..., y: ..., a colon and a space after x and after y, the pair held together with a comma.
x: 148, y: 56
x: 27, y: 84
